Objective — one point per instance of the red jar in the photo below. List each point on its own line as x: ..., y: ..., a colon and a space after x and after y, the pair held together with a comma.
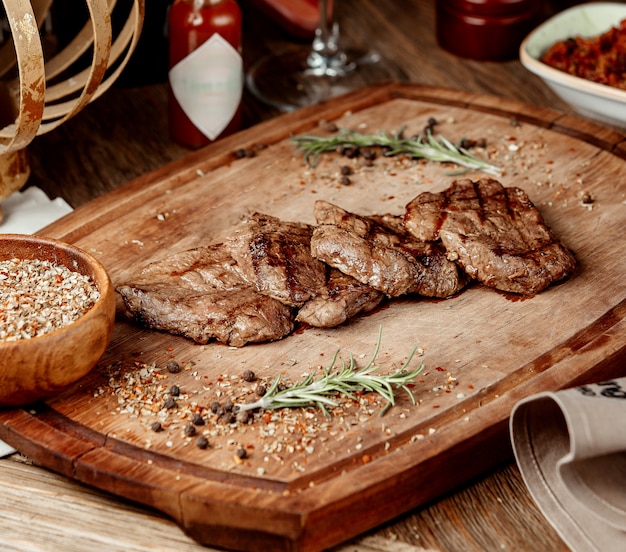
x: 485, y: 29
x: 206, y: 70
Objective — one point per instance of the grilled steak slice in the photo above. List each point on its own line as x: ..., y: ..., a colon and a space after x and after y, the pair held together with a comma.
x: 200, y: 294
x: 495, y: 233
x: 378, y: 251
x: 342, y: 298
x: 199, y: 269
x: 275, y: 257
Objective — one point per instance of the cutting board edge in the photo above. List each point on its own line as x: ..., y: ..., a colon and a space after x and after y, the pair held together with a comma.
x: 306, y: 529
x: 175, y: 174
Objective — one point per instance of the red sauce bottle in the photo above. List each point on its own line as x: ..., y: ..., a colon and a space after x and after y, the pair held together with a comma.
x: 206, y: 70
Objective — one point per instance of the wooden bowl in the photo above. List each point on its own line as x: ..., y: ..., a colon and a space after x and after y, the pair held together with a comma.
x: 41, y: 366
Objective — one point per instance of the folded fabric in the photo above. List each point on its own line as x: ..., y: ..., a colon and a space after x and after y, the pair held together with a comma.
x: 28, y: 211
x: 570, y: 447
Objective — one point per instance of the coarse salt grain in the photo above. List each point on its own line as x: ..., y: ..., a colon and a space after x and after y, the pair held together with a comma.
x: 38, y: 297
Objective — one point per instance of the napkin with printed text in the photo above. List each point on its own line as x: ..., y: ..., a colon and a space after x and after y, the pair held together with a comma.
x: 570, y: 447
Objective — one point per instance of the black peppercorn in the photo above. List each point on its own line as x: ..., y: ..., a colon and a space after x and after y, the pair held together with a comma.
x: 351, y: 152
x: 173, y: 367
x: 170, y: 403
x: 243, y: 416
x: 156, y: 427
x: 202, y: 442
x: 197, y: 419
x: 241, y: 453
x: 190, y: 430
x: 368, y: 154
x: 248, y: 376
x: 175, y: 391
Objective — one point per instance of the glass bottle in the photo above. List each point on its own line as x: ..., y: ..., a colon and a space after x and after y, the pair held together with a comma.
x: 206, y: 70
x: 485, y: 29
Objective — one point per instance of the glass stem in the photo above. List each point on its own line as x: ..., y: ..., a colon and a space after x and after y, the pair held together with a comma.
x: 326, y: 59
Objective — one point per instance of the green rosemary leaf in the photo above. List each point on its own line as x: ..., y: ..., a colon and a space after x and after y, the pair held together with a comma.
x: 429, y: 147
x: 346, y: 380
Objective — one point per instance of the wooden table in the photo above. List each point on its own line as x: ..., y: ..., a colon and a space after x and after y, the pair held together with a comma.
x: 124, y: 135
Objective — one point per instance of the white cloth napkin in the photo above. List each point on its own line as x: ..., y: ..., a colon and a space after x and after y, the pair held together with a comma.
x: 570, y: 447
x: 27, y: 212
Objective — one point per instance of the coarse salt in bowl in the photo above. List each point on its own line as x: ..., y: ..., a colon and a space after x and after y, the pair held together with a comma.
x: 57, y: 334
x: 594, y: 100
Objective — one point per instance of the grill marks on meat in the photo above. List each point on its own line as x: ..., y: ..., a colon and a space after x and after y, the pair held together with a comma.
x: 342, y: 298
x: 275, y: 257
x: 379, y: 252
x: 201, y: 295
x: 496, y: 234
x: 248, y: 289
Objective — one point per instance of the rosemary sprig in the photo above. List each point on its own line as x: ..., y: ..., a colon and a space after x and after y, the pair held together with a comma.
x: 345, y: 380
x: 427, y: 146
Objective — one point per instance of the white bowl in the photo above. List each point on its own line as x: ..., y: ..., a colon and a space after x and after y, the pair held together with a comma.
x: 596, y: 101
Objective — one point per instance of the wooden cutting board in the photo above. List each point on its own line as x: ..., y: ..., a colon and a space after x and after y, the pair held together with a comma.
x: 310, y: 481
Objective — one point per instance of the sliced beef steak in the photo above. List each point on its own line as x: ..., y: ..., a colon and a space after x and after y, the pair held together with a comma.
x: 342, y: 298
x: 200, y: 294
x: 379, y: 252
x: 275, y: 257
x: 495, y: 233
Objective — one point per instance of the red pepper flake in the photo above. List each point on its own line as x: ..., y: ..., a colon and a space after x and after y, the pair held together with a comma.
x: 366, y: 459
x: 440, y: 369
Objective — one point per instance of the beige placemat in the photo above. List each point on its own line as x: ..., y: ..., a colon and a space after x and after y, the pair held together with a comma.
x: 570, y: 447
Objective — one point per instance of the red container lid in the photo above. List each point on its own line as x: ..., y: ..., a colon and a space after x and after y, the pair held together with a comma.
x: 493, y: 7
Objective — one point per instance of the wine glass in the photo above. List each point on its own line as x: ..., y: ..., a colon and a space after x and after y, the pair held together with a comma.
x: 325, y: 69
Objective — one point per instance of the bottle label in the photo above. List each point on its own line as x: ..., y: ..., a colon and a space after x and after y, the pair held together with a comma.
x: 208, y: 85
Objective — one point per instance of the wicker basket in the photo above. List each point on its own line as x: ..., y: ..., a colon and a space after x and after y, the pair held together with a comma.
x: 41, y: 95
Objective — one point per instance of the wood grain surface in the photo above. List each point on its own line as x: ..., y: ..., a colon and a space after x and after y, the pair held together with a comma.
x: 123, y: 136
x: 483, y: 350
